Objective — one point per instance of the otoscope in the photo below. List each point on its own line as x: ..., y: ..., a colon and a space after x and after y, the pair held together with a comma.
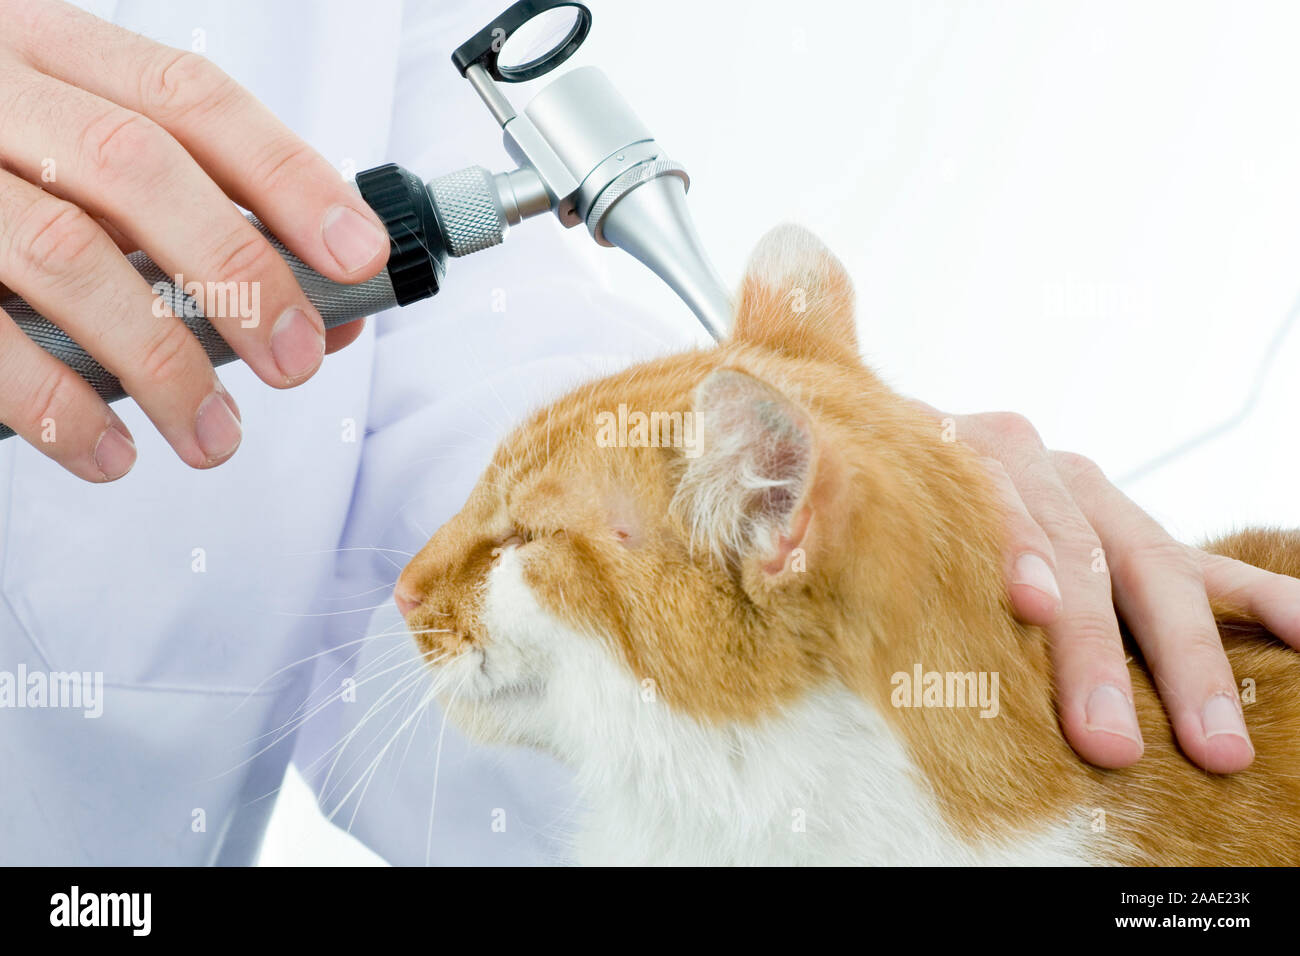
x: 582, y: 153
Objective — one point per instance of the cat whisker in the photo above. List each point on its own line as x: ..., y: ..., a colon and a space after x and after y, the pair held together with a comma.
x: 309, y: 768
x: 421, y: 707
x: 379, y: 659
x: 299, y: 554
x: 287, y: 723
x: 297, y: 663
x: 338, y: 750
x: 366, y: 775
x: 353, y: 610
x: 373, y: 770
x: 352, y: 597
x: 437, y: 767
x: 381, y: 551
x: 295, y: 722
x: 417, y: 668
x: 274, y: 743
x: 385, y: 699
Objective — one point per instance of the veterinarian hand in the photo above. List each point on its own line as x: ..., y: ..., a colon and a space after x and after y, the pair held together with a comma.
x: 111, y: 143
x: 1077, y: 551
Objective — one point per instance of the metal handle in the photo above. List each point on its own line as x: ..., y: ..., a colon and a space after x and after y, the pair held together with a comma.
x: 337, y: 303
x: 455, y: 215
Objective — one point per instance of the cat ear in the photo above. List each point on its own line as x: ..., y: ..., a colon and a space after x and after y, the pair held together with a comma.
x: 796, y: 298
x: 744, y: 492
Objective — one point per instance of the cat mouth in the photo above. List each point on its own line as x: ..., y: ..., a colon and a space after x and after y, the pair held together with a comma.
x: 472, y: 676
x: 503, y: 689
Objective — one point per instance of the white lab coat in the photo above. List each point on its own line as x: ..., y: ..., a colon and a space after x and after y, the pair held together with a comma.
x: 210, y: 601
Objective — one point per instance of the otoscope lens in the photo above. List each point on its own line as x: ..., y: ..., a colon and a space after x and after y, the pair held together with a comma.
x: 536, y: 40
x: 529, y: 39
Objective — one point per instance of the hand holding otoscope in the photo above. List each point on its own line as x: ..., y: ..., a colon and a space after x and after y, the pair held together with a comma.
x: 581, y: 153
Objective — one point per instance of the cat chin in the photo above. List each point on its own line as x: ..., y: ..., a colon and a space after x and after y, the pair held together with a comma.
x: 480, y: 724
x: 489, y: 720
x: 484, y: 705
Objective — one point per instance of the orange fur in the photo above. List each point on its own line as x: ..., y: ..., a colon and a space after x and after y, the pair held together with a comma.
x: 899, y: 532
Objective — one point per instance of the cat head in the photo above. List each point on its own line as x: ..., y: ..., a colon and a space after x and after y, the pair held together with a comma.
x: 700, y: 532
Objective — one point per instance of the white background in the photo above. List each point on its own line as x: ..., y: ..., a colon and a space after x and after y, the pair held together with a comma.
x: 1084, y: 212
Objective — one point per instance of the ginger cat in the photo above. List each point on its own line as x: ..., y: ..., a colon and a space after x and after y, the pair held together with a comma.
x: 770, y: 627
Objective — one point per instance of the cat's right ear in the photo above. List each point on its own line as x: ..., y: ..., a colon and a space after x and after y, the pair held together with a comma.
x: 797, y: 299
x: 746, y: 490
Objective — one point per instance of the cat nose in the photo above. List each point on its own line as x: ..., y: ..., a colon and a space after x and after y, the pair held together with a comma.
x: 405, y: 602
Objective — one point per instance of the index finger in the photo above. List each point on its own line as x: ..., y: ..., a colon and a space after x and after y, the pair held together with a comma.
x: 1161, y: 591
x: 255, y: 159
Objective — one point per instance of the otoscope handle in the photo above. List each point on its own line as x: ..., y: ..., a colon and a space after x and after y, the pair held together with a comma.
x: 416, y: 262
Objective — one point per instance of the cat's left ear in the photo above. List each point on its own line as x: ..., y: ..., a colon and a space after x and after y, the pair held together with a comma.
x: 797, y: 299
x: 745, y: 492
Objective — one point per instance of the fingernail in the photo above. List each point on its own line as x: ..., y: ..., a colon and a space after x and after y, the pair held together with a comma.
x: 114, y: 453
x: 217, y: 429
x: 1032, y: 571
x: 296, y: 344
x: 1222, y: 715
x: 1111, y: 712
x: 230, y: 402
x: 352, y: 239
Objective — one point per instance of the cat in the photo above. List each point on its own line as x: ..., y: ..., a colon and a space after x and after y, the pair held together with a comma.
x: 755, y: 601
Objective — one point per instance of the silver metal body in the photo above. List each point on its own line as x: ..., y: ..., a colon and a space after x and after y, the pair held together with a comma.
x: 600, y: 166
x: 583, y: 154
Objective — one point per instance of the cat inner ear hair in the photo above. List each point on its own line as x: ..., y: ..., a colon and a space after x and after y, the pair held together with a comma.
x: 740, y: 496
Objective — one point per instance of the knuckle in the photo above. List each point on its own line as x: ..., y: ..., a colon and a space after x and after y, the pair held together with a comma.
x: 281, y: 162
x: 24, y: 101
x: 121, y: 144
x: 1205, y: 646
x: 242, y: 254
x: 995, y: 469
x: 1162, y: 554
x: 1066, y: 525
x: 180, y: 82
x: 1009, y: 499
x: 1075, y: 467
x: 54, y: 399
x: 167, y: 358
x: 1010, y: 428
x: 1236, y: 583
x: 54, y: 237
x: 998, y: 478
x: 1093, y: 634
